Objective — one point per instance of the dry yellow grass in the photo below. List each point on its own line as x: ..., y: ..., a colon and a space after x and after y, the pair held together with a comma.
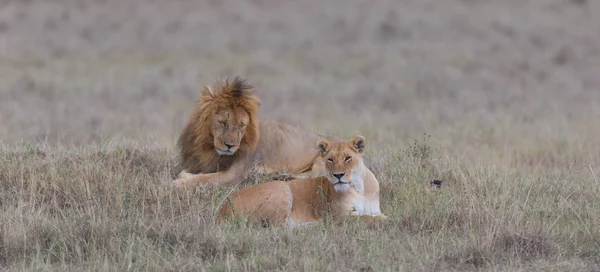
x: 104, y: 208
x: 95, y: 93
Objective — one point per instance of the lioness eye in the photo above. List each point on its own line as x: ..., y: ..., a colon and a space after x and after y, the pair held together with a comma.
x: 330, y: 160
x: 242, y: 125
x: 347, y: 159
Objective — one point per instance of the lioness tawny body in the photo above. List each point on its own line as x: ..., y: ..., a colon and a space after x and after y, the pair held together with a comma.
x: 348, y: 188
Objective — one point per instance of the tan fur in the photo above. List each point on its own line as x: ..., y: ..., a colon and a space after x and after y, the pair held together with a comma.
x: 303, y: 201
x: 227, y: 114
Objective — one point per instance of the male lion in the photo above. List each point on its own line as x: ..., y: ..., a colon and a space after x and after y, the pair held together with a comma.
x: 224, y: 140
x: 348, y: 188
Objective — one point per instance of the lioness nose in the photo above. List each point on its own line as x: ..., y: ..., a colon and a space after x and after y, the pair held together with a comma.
x: 338, y: 175
x: 229, y: 146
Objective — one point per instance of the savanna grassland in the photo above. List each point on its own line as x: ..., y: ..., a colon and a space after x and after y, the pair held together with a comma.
x: 498, y: 98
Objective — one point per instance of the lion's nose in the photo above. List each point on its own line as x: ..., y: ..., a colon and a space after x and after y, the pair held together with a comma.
x: 338, y: 175
x: 229, y: 146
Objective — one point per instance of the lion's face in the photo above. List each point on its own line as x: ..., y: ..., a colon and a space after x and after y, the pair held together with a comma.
x: 343, y: 163
x: 228, y: 129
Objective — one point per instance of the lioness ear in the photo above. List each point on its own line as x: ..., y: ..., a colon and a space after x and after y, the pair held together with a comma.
x: 323, y: 146
x: 358, y: 142
x: 208, y: 91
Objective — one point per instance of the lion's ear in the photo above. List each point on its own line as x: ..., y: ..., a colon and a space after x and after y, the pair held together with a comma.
x: 359, y: 143
x: 208, y: 91
x: 323, y: 146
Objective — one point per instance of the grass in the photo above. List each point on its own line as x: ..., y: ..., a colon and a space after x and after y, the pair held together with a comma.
x: 105, y: 207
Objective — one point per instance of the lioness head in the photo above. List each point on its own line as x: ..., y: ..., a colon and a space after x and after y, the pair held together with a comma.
x: 343, y: 161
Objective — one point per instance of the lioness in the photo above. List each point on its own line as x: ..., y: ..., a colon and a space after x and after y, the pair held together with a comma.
x: 348, y: 188
x: 223, y: 140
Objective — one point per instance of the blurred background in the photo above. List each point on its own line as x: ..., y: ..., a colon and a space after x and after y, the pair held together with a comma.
x: 474, y: 74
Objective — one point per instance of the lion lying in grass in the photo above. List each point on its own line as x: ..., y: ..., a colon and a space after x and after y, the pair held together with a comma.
x: 223, y: 140
x: 348, y: 188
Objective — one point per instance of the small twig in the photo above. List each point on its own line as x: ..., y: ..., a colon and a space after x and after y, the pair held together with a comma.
x: 593, y: 175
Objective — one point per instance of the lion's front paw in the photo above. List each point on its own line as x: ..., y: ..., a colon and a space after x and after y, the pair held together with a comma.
x: 177, y: 183
x: 184, y: 175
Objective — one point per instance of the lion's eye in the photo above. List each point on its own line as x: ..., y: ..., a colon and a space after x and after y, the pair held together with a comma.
x: 348, y: 158
x: 242, y: 125
x: 330, y: 160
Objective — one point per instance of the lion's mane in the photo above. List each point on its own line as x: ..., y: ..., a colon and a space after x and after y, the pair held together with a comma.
x: 196, y: 142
